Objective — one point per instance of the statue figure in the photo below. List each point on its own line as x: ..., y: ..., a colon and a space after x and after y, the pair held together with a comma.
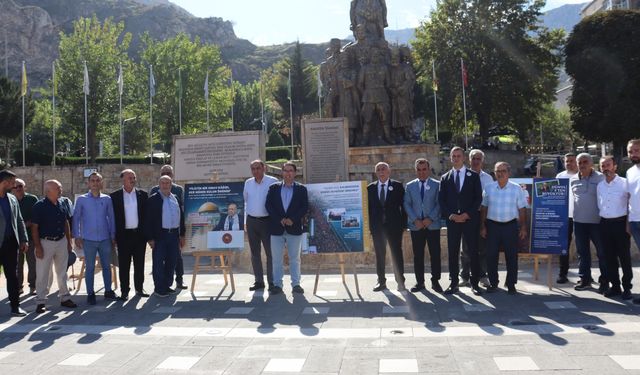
x: 373, y: 81
x: 370, y: 13
x: 349, y: 95
x: 329, y: 78
x: 402, y: 82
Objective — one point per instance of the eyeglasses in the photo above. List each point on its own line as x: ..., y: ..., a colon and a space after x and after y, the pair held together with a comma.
x: 18, y: 187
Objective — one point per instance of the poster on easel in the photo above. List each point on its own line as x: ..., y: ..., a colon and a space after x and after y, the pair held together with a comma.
x: 550, y: 216
x: 338, y: 217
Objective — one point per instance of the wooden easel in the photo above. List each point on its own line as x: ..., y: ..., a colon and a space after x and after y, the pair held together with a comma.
x: 341, y: 262
x: 225, y: 257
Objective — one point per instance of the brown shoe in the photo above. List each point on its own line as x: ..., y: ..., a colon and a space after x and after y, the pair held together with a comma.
x: 68, y: 303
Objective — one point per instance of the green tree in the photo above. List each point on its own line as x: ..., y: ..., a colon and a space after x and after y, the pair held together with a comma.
x: 11, y: 112
x: 247, y: 106
x: 103, y: 46
x: 511, y: 62
x: 603, y: 58
x: 179, y: 57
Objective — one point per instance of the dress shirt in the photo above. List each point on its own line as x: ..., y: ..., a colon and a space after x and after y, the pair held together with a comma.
x: 568, y: 175
x: 175, y: 189
x: 386, y: 188
x: 255, y: 195
x: 236, y: 223
x: 585, y: 197
x: 463, y: 172
x: 286, y: 193
x: 503, y: 203
x: 485, y: 179
x: 633, y: 182
x: 50, y: 217
x: 93, y: 218
x: 613, y: 198
x: 130, y: 209
x: 170, y: 212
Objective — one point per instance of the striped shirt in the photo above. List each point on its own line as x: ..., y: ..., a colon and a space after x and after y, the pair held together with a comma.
x: 503, y: 204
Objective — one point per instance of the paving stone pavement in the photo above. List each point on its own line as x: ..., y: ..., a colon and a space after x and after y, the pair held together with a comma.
x: 336, y: 331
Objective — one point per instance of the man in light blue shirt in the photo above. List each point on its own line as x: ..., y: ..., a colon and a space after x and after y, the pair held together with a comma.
x: 94, y: 231
x: 503, y: 210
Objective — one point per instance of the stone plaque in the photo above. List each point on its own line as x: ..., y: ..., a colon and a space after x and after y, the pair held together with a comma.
x: 326, y: 150
x: 219, y: 157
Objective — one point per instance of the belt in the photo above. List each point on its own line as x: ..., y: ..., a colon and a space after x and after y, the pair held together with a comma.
x: 613, y: 219
x: 258, y: 217
x: 56, y: 238
x: 503, y: 223
x: 131, y: 229
x: 172, y: 230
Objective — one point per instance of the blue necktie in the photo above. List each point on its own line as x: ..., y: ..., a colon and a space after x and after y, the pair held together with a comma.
x: 422, y: 198
x: 458, y: 180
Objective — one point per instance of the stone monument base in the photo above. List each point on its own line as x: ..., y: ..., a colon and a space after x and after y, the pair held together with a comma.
x: 362, y: 160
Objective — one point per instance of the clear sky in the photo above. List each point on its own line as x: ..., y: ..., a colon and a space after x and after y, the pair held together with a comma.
x: 267, y: 22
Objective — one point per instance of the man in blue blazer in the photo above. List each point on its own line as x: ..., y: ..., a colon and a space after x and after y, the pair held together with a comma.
x: 423, y: 217
x: 287, y: 205
x: 387, y: 221
x: 460, y: 197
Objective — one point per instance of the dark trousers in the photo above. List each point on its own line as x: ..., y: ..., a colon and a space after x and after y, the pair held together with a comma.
x: 165, y: 256
x: 585, y: 233
x: 420, y: 238
x: 258, y: 233
x: 466, y: 260
x: 9, y: 262
x: 503, y: 236
x: 132, y: 247
x: 30, y: 257
x: 616, y: 243
x: 394, y: 239
x: 179, y: 268
x: 455, y: 232
x: 564, y: 259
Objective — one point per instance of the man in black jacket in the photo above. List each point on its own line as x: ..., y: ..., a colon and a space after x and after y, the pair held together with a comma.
x: 460, y: 198
x: 387, y: 221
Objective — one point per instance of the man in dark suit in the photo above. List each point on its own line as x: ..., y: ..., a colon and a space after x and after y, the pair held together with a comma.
x: 128, y: 208
x: 13, y: 238
x: 387, y: 221
x: 231, y: 221
x: 164, y: 230
x: 287, y: 204
x: 460, y: 197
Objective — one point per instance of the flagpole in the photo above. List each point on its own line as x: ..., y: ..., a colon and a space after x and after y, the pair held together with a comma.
x: 435, y: 96
x: 233, y: 100
x: 291, y: 116
x: 151, y: 82
x: 264, y: 127
x: 319, y: 94
x: 180, y: 100
x: 120, y: 85
x: 24, y: 93
x: 86, y: 124
x: 53, y: 108
x: 464, y: 105
x: 206, y: 97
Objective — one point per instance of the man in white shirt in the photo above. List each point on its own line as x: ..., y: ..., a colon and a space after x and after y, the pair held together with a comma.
x: 571, y: 169
x: 257, y: 222
x: 633, y: 186
x: 613, y: 201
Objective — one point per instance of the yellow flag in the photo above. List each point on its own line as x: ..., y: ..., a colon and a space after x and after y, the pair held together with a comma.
x: 25, y: 83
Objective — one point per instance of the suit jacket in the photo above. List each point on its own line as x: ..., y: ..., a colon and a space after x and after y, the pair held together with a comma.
x: 392, y: 216
x: 153, y: 217
x: 297, y: 209
x: 220, y: 225
x: 176, y: 190
x: 17, y: 223
x: 117, y: 198
x: 468, y: 199
x: 415, y: 206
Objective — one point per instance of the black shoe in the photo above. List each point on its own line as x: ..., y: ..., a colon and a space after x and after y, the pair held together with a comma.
x: 32, y: 291
x: 142, y: 293
x: 181, y: 286
x: 492, y: 289
x: 626, y: 295
x: 256, y: 286
x: 582, y: 285
x: 91, y: 299
x: 18, y: 312
x: 123, y: 297
x: 613, y: 292
x: 172, y: 291
x: 435, y: 285
x: 511, y: 289
x: 603, y: 288
x: 275, y: 290
x: 476, y: 290
x: 464, y: 282
x: 562, y: 280
x: 452, y: 289
x: 69, y: 303
x: 161, y: 294
x: 110, y: 294
x: 416, y: 288
x: 298, y: 289
x: 40, y: 309
x: 380, y: 287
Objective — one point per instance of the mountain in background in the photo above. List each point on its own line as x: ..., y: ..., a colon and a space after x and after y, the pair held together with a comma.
x: 33, y: 26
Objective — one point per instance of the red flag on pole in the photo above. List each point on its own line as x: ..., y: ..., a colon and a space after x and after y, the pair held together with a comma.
x: 465, y: 78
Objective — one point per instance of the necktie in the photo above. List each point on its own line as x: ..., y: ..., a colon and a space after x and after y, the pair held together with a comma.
x: 422, y: 198
x: 458, y: 180
x: 382, y: 195
x: 230, y: 223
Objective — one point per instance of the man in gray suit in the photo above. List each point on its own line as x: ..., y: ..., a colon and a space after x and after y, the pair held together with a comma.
x: 13, y: 237
x: 423, y: 216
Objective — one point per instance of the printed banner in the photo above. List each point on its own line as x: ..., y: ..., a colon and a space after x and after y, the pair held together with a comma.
x: 338, y: 217
x: 207, y: 207
x: 550, y: 216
